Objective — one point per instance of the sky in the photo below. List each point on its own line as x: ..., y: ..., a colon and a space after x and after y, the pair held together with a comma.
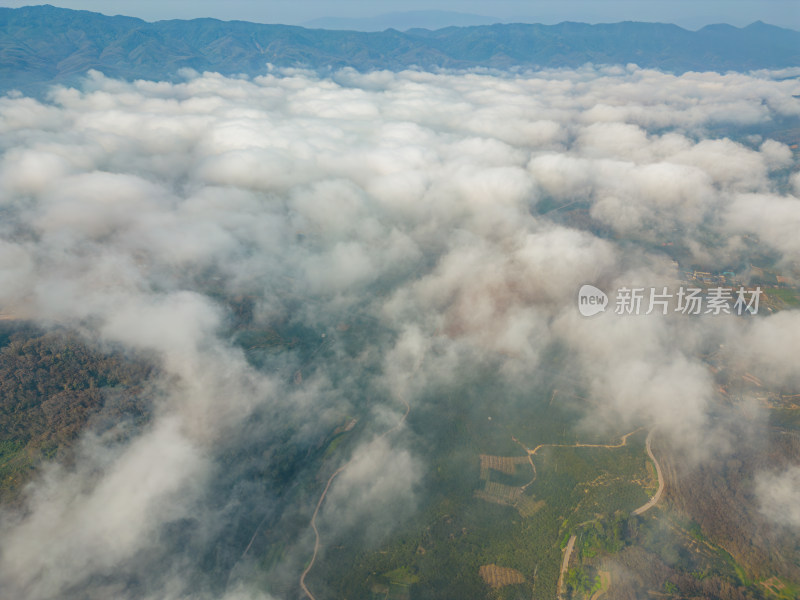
x: 686, y: 13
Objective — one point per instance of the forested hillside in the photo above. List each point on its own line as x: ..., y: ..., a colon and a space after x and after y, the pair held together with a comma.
x: 52, y: 384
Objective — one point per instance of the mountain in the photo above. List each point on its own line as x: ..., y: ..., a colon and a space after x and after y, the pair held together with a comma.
x: 41, y: 45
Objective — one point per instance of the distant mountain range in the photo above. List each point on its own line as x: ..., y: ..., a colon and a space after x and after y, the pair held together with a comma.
x: 43, y: 44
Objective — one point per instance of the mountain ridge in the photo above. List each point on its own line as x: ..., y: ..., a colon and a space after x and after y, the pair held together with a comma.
x: 41, y: 45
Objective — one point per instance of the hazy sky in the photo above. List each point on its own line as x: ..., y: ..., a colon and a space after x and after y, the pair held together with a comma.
x: 687, y: 13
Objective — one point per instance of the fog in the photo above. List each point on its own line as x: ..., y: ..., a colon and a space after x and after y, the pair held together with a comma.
x: 430, y: 209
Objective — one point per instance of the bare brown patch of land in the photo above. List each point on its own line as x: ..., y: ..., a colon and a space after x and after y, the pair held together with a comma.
x: 497, y: 577
x: 503, y: 464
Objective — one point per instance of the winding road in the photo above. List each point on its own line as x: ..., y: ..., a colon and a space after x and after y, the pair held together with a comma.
x: 565, y: 564
x: 654, y: 500
x: 317, y: 543
x: 530, y: 453
x: 642, y: 509
x: 316, y: 531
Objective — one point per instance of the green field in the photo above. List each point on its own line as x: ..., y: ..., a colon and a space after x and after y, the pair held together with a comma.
x: 474, y: 518
x: 786, y: 295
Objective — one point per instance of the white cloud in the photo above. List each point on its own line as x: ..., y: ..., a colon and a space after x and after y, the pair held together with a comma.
x: 778, y: 493
x: 411, y: 199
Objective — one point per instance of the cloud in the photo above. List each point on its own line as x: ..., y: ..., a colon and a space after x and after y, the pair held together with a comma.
x: 778, y: 495
x: 773, y: 218
x: 71, y: 531
x: 432, y: 211
x: 375, y: 493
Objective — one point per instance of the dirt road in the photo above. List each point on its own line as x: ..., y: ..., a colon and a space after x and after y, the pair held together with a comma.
x: 313, y: 523
x: 565, y: 565
x: 654, y: 500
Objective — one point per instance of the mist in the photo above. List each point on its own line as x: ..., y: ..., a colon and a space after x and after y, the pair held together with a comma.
x: 424, y: 214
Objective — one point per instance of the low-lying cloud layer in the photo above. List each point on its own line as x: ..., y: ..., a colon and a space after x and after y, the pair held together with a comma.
x: 428, y: 205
